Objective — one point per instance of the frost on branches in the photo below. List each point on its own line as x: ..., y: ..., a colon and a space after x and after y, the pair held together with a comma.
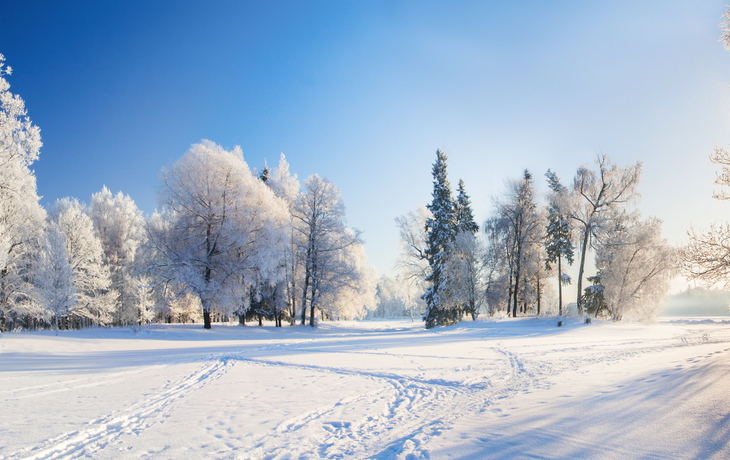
x: 635, y: 267
x: 221, y: 227
x: 21, y: 216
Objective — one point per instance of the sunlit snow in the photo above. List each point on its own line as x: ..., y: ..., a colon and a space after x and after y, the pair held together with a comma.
x: 390, y: 389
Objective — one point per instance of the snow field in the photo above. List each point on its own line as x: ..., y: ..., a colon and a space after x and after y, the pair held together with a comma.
x: 505, y: 389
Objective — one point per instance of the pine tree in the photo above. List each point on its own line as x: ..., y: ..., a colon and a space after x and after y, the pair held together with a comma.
x: 440, y: 229
x: 558, y: 241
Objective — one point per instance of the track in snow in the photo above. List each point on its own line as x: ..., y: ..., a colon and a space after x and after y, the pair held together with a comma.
x: 105, y: 430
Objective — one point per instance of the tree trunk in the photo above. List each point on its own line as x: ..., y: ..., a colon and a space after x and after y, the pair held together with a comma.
x: 206, y: 318
x: 560, y: 288
x: 586, y: 236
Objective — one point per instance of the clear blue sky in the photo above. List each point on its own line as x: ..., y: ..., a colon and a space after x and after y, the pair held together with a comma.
x: 364, y: 92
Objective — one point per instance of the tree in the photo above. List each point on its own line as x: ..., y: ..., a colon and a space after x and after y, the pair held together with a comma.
x: 53, y: 285
x: 440, y: 230
x: 706, y: 257
x: 559, y: 234
x: 120, y: 226
x: 463, y: 270
x: 323, y: 241
x: 21, y: 217
x: 599, y: 199
x: 519, y: 211
x: 286, y: 186
x: 463, y: 214
x: 635, y: 267
x: 223, y: 227
x: 412, y: 263
x: 497, y: 265
x: 91, y: 277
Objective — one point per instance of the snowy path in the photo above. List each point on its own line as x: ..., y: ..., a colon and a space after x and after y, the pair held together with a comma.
x: 379, y: 390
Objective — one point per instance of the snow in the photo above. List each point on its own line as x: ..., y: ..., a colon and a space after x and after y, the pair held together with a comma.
x: 512, y: 388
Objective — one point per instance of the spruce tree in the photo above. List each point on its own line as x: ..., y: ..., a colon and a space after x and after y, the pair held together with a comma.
x: 440, y: 230
x: 464, y: 218
x: 558, y: 241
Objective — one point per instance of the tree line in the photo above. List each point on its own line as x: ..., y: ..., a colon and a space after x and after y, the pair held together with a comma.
x: 507, y: 266
x: 225, y: 242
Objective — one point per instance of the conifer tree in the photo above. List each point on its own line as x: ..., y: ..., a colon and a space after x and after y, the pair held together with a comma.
x: 464, y: 218
x: 559, y: 235
x: 440, y: 230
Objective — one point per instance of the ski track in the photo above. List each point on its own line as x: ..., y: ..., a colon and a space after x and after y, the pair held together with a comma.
x: 398, y: 421
x: 105, y: 430
x: 415, y: 410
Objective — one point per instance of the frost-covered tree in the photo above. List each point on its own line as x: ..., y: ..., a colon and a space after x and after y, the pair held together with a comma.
x: 725, y: 26
x: 497, y: 265
x: 323, y: 244
x: 221, y: 228
x: 464, y: 259
x: 518, y: 208
x: 706, y: 257
x: 91, y: 277
x: 389, y: 299
x: 286, y: 186
x: 635, y: 267
x: 559, y: 234
x: 53, y: 282
x: 121, y: 228
x: 440, y: 231
x: 21, y: 217
x: 463, y: 274
x: 599, y: 199
x: 412, y: 264
x: 463, y: 214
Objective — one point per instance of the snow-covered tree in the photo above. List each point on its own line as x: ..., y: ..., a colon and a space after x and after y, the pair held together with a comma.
x: 91, y: 277
x: 121, y: 227
x: 518, y: 208
x: 323, y: 243
x: 53, y: 282
x: 559, y: 234
x: 412, y: 264
x: 599, y: 199
x: 463, y: 274
x: 286, y: 186
x: 635, y: 267
x: 224, y: 227
x: 440, y: 230
x: 497, y: 265
x: 21, y: 216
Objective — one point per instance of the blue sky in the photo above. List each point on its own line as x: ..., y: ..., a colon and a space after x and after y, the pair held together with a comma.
x: 364, y: 92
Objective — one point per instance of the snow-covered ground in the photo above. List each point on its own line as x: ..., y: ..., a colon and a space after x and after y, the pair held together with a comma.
x: 507, y: 389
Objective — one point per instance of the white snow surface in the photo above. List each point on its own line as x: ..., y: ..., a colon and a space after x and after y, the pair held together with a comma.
x: 513, y: 388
